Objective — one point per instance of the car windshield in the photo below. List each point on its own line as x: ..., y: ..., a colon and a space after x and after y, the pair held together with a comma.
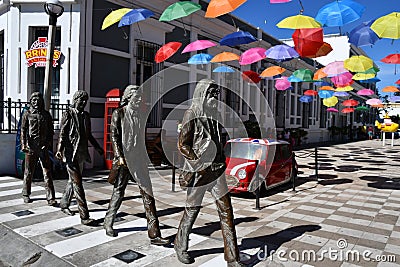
x: 245, y: 150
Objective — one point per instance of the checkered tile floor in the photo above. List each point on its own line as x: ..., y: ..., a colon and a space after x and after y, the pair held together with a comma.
x: 353, y: 208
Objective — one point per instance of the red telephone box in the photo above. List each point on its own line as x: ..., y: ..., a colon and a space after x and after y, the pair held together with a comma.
x: 112, y: 102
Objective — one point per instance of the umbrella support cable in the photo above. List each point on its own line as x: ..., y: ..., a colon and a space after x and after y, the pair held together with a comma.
x: 302, y: 7
x: 184, y: 28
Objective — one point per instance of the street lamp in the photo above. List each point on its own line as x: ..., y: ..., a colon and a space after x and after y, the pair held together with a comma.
x: 54, y: 9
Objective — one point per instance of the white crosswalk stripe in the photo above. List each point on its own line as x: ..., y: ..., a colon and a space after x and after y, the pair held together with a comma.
x: 19, y: 191
x: 11, y: 184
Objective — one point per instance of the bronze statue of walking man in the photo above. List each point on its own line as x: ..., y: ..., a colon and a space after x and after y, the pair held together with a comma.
x: 127, y: 136
x: 200, y: 143
x: 36, y: 139
x: 72, y: 148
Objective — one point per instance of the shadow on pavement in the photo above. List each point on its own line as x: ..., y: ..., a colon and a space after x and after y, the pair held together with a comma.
x: 380, y: 182
x: 212, y: 227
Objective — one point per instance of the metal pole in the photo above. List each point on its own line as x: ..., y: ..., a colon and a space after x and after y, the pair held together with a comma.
x: 294, y: 174
x: 9, y: 114
x: 258, y: 188
x: 173, y: 172
x: 49, y: 61
x: 316, y: 162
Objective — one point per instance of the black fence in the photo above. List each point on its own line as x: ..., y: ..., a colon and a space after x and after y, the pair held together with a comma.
x: 10, y: 113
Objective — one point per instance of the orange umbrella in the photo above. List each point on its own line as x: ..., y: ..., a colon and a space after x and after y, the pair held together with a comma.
x: 377, y: 106
x: 390, y: 89
x: 324, y: 50
x: 220, y: 7
x: 225, y: 56
x: 319, y: 74
x: 272, y: 71
x: 327, y: 88
x: 311, y: 93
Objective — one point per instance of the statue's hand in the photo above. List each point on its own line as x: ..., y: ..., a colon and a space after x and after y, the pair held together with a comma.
x: 59, y: 155
x: 121, y: 161
x: 25, y: 149
x: 100, y: 150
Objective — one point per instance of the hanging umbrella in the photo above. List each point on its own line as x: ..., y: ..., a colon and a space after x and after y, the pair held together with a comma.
x: 332, y: 110
x: 305, y: 75
x: 272, y: 71
x: 347, y: 110
x: 390, y: 89
x: 200, y: 59
x: 377, y: 106
x: 343, y: 79
x: 322, y: 83
x: 374, y: 101
x: 179, y: 10
x: 365, y: 92
x: 363, y: 76
x: 298, y: 22
x: 398, y: 81
x: 335, y: 68
x: 294, y: 79
x: 251, y: 76
x: 220, y: 7
x: 362, y: 108
x: 134, y: 16
x: 319, y: 74
x: 310, y: 93
x: 325, y: 94
x: 223, y: 69
x: 363, y: 35
x: 392, y: 59
x: 372, y: 80
x: 373, y: 70
x: 340, y: 94
x: 252, y: 55
x: 225, y: 56
x: 327, y: 88
x: 307, y: 41
x: 306, y: 99
x: 323, y: 50
x: 198, y: 45
x: 279, y: 1
x: 394, y: 99
x: 237, y: 38
x: 281, y: 52
x: 387, y: 26
x: 339, y: 13
x: 344, y: 89
x: 167, y: 51
x: 282, y: 83
x: 330, y: 101
x: 358, y: 63
x: 114, y: 17
x: 350, y: 103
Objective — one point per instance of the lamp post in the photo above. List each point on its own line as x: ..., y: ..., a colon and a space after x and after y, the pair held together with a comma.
x: 54, y: 9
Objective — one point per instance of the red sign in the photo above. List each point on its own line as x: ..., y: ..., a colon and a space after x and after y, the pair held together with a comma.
x: 37, y: 54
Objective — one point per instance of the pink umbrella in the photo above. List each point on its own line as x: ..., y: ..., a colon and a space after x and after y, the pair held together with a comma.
x: 282, y: 83
x: 343, y: 79
x: 198, y: 45
x: 335, y: 68
x: 279, y: 1
x: 374, y: 101
x: 332, y: 110
x: 365, y: 92
x: 252, y: 55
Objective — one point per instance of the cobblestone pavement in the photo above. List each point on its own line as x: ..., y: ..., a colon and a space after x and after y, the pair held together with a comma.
x: 349, y: 216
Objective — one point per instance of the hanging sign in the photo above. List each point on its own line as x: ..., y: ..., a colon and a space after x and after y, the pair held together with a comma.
x: 37, y: 54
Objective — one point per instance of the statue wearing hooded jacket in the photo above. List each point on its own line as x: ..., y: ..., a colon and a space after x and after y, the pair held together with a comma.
x: 200, y: 144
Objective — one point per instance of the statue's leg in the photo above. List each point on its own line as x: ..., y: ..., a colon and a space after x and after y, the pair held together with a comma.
x: 30, y: 165
x: 68, y: 192
x: 48, y: 179
x: 152, y: 219
x: 77, y: 186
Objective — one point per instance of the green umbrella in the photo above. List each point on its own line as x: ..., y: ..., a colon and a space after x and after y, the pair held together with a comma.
x: 305, y: 75
x: 362, y: 108
x: 373, y: 70
x: 179, y: 10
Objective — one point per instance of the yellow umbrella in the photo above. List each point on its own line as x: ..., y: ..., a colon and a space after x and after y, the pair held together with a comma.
x: 272, y: 71
x: 358, y: 63
x: 344, y: 89
x: 299, y: 22
x: 114, y: 17
x: 363, y: 76
x: 330, y: 102
x: 225, y: 56
x: 387, y: 26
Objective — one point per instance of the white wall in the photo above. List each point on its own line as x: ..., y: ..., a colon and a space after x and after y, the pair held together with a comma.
x: 7, y: 163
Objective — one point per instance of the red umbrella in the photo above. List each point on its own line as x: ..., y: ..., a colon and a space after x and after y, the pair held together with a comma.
x: 398, y: 81
x: 308, y: 41
x: 350, y: 103
x: 311, y: 93
x: 166, y: 51
x: 347, y: 110
x: 251, y: 76
x: 324, y: 49
x: 392, y: 59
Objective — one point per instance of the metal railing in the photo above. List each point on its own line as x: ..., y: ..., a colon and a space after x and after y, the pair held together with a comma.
x: 10, y: 113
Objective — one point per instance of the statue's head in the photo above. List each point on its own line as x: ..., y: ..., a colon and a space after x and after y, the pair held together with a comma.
x: 36, y: 101
x: 132, y: 96
x: 79, y: 100
x: 205, y: 95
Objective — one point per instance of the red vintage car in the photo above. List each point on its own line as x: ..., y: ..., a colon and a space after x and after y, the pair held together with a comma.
x: 274, y: 158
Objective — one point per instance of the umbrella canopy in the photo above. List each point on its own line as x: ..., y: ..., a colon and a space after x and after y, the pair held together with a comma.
x: 347, y: 110
x: 332, y: 110
x: 225, y: 56
x: 220, y: 7
x: 363, y: 76
x: 198, y: 45
x: 365, y: 92
x: 272, y: 71
x: 251, y: 76
x: 394, y: 99
x: 335, y: 68
x: 114, y: 17
x: 179, y: 10
x: 373, y: 70
x: 325, y: 94
x: 167, y: 51
x: 387, y: 26
x: 392, y: 59
x: 377, y: 106
x: 358, y: 63
x: 343, y: 79
x: 323, y: 50
x: 306, y: 99
x: 134, y: 16
x: 350, y: 103
x: 331, y: 101
x: 223, y: 69
x: 237, y: 38
x: 327, y: 88
x: 252, y: 55
x: 362, y: 108
x: 363, y: 35
x: 282, y: 83
x: 307, y: 41
x: 374, y: 101
x: 304, y: 75
x: 319, y: 74
x: 390, y: 89
x: 279, y: 1
x: 200, y: 59
x: 372, y: 80
x: 298, y: 22
x: 310, y: 93
x: 281, y: 52
x: 344, y: 89
x: 339, y: 13
x: 398, y: 81
x: 294, y: 79
x: 341, y: 94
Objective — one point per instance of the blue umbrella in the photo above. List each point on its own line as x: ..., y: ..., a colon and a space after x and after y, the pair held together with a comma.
x: 281, y: 52
x: 340, y: 94
x: 294, y: 79
x: 134, y: 16
x: 372, y: 80
x: 237, y: 38
x: 322, y: 83
x: 363, y: 35
x: 306, y: 99
x: 339, y: 13
x: 394, y: 99
x: 223, y: 69
x: 200, y: 59
x: 325, y: 94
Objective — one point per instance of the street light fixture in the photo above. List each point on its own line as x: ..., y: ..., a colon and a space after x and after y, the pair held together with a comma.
x: 54, y: 9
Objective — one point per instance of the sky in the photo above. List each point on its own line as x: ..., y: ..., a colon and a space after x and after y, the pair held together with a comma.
x: 263, y: 14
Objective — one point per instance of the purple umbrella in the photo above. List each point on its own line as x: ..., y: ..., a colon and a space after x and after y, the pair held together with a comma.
x: 332, y: 110
x: 282, y: 83
x: 365, y: 92
x: 394, y: 99
x: 340, y: 94
x: 281, y: 52
x: 363, y: 35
